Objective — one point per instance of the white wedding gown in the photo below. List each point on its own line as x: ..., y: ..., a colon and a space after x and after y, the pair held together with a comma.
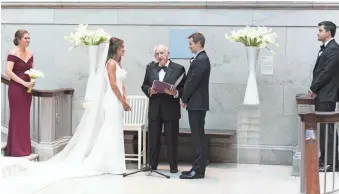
x: 96, y: 148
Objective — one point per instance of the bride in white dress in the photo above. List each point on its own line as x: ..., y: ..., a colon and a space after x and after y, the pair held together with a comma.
x: 96, y: 148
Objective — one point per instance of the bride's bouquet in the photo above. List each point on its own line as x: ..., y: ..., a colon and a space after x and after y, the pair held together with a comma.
x: 253, y: 37
x: 33, y: 74
x: 87, y: 37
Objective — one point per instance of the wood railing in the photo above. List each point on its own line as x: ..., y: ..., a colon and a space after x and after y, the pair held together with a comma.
x: 309, y: 146
x: 51, y: 118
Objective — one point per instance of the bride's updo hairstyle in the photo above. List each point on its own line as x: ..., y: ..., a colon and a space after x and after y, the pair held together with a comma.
x: 114, y: 44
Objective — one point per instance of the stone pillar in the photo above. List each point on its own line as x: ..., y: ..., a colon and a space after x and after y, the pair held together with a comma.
x: 248, y: 135
x: 51, y: 123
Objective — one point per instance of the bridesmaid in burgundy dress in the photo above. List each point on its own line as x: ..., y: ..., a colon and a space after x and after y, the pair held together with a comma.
x: 18, y: 61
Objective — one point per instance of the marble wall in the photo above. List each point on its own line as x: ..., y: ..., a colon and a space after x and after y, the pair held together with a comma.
x: 142, y: 29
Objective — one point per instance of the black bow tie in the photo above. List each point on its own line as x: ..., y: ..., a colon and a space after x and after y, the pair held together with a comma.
x: 322, y: 47
x: 162, y: 68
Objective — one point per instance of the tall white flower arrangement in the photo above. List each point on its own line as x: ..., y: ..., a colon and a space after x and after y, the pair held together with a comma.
x: 254, y: 37
x: 87, y: 37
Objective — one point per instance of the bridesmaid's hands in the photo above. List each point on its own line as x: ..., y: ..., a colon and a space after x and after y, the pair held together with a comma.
x: 29, y: 84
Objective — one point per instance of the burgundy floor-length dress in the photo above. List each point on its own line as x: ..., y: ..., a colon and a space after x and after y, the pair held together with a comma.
x: 19, y: 141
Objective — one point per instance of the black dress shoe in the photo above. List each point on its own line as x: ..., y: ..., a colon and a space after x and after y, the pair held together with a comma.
x: 329, y: 168
x: 174, y: 170
x: 192, y: 175
x: 321, y: 164
x: 186, y: 172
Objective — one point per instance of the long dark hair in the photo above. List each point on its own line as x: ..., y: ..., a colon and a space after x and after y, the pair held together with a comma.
x: 114, y: 44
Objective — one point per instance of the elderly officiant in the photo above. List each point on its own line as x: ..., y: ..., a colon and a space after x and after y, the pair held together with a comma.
x: 164, y: 110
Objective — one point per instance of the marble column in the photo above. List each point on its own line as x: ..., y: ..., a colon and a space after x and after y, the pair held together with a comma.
x: 248, y: 135
x: 51, y: 123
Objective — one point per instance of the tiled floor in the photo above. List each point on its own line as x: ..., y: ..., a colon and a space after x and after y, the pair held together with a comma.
x: 220, y: 179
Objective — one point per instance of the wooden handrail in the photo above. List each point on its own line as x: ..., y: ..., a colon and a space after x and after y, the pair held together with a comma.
x: 320, y: 117
x: 304, y: 99
x: 42, y: 93
x: 311, y: 120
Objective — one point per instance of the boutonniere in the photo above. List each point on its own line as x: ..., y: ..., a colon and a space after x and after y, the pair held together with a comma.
x: 192, y: 59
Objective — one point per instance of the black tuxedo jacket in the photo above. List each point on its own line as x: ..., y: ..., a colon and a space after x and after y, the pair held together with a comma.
x: 325, y: 83
x: 164, y: 106
x: 196, y: 89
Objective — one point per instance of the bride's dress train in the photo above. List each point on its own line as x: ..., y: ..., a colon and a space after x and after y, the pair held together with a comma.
x: 96, y: 148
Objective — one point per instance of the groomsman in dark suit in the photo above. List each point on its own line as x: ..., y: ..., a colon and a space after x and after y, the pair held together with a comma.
x: 325, y: 90
x: 196, y: 100
x: 164, y: 108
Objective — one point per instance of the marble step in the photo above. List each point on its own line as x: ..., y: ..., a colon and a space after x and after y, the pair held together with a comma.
x: 32, y: 157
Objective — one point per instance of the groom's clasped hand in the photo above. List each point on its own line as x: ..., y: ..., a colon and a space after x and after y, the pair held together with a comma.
x: 183, y: 104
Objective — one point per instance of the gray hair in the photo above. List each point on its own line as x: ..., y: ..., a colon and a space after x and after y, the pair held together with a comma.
x: 161, y: 46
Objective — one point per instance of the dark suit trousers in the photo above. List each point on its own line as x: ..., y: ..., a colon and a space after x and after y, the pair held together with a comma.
x: 327, y: 107
x: 197, y: 125
x: 171, y: 130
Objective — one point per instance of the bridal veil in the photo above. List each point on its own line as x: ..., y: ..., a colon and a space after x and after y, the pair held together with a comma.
x: 25, y: 177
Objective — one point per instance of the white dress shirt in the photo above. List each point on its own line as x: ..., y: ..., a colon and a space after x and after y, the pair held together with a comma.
x: 162, y: 72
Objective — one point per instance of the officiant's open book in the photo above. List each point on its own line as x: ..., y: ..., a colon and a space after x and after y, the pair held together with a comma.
x: 160, y: 86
